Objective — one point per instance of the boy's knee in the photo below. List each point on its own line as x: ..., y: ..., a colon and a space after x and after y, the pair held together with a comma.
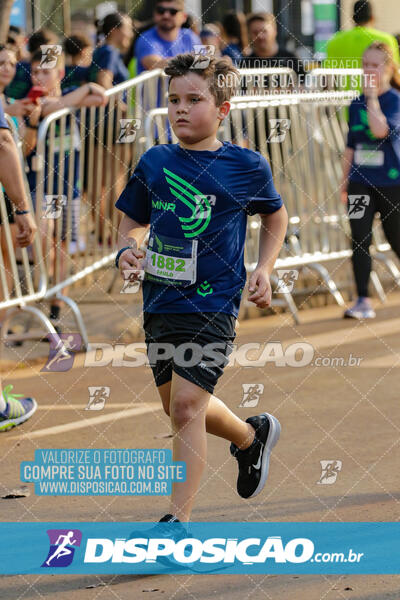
x: 183, y: 410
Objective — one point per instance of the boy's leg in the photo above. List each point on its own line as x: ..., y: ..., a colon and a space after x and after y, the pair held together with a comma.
x: 220, y: 420
x: 188, y: 408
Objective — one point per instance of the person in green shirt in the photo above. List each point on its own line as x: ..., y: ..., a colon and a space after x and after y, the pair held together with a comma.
x: 346, y: 48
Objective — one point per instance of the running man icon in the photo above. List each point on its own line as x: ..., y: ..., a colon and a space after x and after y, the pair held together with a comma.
x: 62, y: 542
x: 62, y: 549
x: 61, y: 352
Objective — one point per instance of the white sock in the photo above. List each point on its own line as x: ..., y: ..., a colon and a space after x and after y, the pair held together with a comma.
x: 3, y: 403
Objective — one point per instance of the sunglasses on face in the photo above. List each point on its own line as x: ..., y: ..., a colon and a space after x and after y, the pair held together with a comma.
x: 161, y: 10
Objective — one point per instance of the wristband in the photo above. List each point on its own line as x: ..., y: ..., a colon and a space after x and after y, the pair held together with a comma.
x: 119, y: 254
x: 21, y: 212
x: 32, y: 126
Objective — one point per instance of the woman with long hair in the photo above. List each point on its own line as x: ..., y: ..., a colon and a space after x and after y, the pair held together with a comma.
x: 371, y: 167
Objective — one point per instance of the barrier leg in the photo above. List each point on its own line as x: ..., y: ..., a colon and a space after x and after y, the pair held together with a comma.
x: 78, y: 319
x: 327, y: 279
x: 35, y: 312
x: 286, y: 301
x: 113, y: 282
x: 376, y: 282
x: 390, y: 265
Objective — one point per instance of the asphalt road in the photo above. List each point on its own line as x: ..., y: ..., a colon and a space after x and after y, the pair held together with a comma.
x: 333, y: 412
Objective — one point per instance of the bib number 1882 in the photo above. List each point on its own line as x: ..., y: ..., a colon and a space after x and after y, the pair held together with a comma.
x: 172, y: 264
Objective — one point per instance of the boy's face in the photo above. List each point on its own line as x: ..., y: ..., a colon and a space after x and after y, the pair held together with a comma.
x: 192, y: 111
x: 48, y: 79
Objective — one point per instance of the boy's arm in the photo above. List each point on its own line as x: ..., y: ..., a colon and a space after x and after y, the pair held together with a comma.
x: 131, y: 233
x: 272, y: 234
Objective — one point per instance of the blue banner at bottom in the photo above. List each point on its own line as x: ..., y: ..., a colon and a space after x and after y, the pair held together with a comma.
x: 146, y: 548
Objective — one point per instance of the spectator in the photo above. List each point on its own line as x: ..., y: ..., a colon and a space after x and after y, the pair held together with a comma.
x: 78, y: 54
x: 167, y: 38
x: 346, y: 48
x: 89, y: 94
x: 16, y: 39
x: 235, y: 35
x: 192, y: 23
x: 266, y: 53
x: 130, y: 59
x: 22, y: 83
x: 210, y: 35
x: 108, y: 68
x: 16, y: 109
x: 14, y: 408
x: 371, y: 167
x: 8, y: 64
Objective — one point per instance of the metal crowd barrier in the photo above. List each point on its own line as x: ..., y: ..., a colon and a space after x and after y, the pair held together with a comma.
x: 333, y: 79
x: 306, y: 166
x: 84, y: 158
x: 339, y: 79
x: 23, y: 277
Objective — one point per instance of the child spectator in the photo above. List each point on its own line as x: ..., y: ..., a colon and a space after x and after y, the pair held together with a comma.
x: 78, y: 52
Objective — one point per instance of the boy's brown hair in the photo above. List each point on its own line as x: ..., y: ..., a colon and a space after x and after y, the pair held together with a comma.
x: 221, y: 75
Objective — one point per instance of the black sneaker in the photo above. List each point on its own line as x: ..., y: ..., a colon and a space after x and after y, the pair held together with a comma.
x: 254, y: 461
x: 175, y: 530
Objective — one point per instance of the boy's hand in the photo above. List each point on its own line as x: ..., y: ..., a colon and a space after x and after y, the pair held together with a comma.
x: 260, y: 288
x: 131, y: 259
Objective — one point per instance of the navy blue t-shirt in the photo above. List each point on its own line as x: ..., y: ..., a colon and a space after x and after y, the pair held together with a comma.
x: 108, y: 58
x: 74, y: 77
x: 197, y: 203
x: 376, y: 160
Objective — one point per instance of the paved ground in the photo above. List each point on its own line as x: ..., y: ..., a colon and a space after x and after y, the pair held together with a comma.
x: 351, y: 414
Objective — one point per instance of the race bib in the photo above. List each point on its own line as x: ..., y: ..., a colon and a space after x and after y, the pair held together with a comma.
x: 368, y: 157
x: 171, y: 261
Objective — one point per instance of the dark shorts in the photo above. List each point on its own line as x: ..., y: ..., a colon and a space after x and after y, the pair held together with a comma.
x: 180, y: 342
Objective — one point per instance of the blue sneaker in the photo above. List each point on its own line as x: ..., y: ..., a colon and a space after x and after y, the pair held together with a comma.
x: 18, y: 409
x: 168, y: 527
x: 361, y: 309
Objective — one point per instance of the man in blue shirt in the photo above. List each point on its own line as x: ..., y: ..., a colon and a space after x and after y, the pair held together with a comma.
x: 167, y: 38
x: 196, y: 196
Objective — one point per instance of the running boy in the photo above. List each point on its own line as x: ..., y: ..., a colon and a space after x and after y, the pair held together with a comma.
x: 196, y: 196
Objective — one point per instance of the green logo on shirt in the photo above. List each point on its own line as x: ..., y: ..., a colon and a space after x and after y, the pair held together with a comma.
x: 204, y: 289
x: 195, y: 200
x: 393, y: 173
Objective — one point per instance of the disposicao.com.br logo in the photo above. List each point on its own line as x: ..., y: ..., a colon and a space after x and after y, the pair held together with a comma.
x: 190, y: 550
x: 233, y: 548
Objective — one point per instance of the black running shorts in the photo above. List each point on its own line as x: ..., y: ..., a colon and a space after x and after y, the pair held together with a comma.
x: 194, y: 345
